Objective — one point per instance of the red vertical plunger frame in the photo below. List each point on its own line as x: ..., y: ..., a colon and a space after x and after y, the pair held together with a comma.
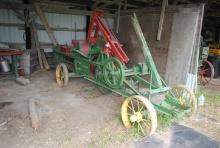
x: 113, y: 47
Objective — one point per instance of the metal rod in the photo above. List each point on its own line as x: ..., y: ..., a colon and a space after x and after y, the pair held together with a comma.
x: 146, y: 52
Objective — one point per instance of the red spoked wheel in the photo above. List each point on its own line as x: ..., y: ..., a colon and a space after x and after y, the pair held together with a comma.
x: 206, y: 73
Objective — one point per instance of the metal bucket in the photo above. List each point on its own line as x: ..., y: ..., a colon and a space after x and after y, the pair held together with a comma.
x: 4, y: 66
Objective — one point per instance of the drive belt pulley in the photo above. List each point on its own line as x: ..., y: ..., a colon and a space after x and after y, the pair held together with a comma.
x: 113, y: 72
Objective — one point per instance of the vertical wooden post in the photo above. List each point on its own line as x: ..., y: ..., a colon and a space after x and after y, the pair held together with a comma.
x: 219, y: 36
x: 162, y: 14
x: 118, y: 17
x: 37, y: 44
x: 125, y: 5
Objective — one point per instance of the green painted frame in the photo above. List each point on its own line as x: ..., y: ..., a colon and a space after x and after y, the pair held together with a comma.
x: 133, y: 81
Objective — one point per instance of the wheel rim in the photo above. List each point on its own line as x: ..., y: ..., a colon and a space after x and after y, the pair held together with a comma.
x: 60, y: 80
x: 113, y: 73
x: 139, y: 113
x: 184, y: 96
x: 61, y: 75
x: 206, y: 72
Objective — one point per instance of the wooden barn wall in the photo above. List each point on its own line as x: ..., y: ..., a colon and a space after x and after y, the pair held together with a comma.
x: 171, y: 40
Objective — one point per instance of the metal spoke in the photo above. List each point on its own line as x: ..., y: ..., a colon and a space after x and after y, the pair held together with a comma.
x: 133, y: 123
x: 147, y: 122
x: 132, y: 105
x: 129, y: 114
x: 138, y: 104
x: 141, y: 108
x: 138, y: 129
x: 176, y: 93
x: 131, y: 109
x: 114, y: 81
x: 141, y: 128
x: 205, y: 70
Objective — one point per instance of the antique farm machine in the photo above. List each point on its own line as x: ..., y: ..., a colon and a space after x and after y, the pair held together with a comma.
x: 206, y: 70
x: 102, y: 60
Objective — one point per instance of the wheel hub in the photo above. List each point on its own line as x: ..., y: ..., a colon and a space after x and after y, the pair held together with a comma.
x: 136, y: 117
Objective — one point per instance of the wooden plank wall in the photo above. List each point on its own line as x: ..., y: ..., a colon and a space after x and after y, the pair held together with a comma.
x: 184, y: 47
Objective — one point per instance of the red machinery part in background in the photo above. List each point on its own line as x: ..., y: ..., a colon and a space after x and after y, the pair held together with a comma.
x: 114, y: 47
x: 206, y: 73
x: 10, y: 52
x: 65, y: 49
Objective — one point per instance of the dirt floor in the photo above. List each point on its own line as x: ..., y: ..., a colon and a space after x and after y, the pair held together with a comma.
x: 207, y: 118
x: 80, y: 115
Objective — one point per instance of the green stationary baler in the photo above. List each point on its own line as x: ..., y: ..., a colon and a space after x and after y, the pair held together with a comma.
x: 102, y: 61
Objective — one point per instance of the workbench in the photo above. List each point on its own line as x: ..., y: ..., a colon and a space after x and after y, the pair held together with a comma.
x: 14, y: 54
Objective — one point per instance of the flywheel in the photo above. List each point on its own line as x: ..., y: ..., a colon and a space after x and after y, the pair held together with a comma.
x: 113, y: 73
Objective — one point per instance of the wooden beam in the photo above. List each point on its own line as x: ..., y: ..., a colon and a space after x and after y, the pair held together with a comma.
x: 64, y: 4
x: 32, y: 18
x: 45, y: 23
x: 96, y: 3
x: 73, y: 11
x: 33, y: 113
x: 162, y: 14
x: 157, y: 10
x: 61, y: 10
x: 108, y: 3
x: 11, y: 25
x: 219, y: 35
x: 125, y: 4
x: 42, y: 44
x: 217, y: 15
x: 53, y: 9
x: 19, y: 6
x: 36, y: 44
x: 40, y: 27
x: 16, y: 11
x: 44, y: 59
x: 118, y: 17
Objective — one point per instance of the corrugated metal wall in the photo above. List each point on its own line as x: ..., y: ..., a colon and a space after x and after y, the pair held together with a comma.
x: 10, y: 34
x: 15, y: 35
x: 64, y: 21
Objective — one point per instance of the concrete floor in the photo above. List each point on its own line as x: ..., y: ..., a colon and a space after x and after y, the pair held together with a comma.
x: 178, y: 136
x: 69, y: 116
x: 75, y: 116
